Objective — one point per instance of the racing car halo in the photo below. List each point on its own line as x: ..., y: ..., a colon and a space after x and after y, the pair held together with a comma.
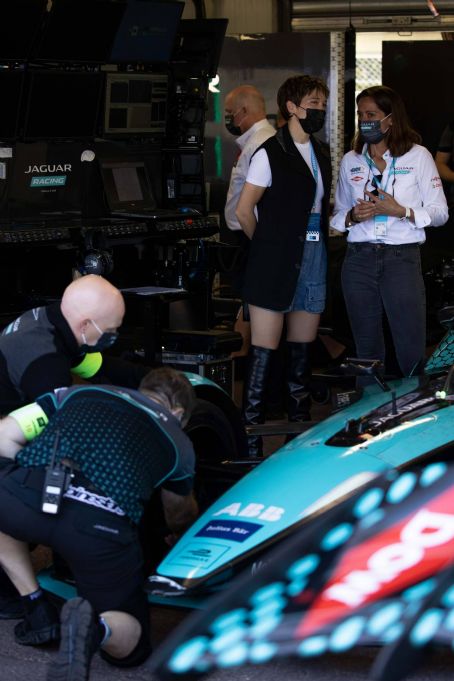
x: 385, y: 429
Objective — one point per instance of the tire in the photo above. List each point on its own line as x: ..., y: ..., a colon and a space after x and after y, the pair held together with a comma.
x: 214, y: 441
x: 211, y: 434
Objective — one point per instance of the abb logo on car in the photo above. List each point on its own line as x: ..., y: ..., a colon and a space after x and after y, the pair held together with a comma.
x: 259, y: 511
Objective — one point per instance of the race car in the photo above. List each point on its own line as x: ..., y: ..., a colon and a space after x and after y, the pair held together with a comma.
x: 390, y: 427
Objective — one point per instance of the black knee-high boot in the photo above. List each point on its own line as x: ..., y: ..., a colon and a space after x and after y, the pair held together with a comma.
x: 298, y: 381
x: 254, y: 398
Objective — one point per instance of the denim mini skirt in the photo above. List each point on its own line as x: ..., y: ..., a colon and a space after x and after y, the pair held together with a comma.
x: 310, y: 292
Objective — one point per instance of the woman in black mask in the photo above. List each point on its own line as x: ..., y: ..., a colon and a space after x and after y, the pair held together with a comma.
x: 283, y: 209
x: 388, y: 192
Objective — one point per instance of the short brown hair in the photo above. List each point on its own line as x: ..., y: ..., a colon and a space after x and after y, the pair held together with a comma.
x: 297, y: 87
x: 172, y: 385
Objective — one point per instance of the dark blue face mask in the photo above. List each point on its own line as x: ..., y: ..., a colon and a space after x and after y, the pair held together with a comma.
x: 106, y: 340
x: 371, y: 131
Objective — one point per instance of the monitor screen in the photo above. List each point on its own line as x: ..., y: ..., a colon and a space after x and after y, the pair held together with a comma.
x: 199, y: 42
x: 62, y: 105
x: 46, y: 179
x: 135, y: 104
x: 80, y: 31
x: 11, y: 87
x: 20, y: 22
x: 147, y: 31
x: 127, y: 186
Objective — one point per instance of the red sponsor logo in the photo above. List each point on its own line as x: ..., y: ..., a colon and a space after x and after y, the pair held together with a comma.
x: 436, y: 182
x: 357, y: 178
x: 414, y: 549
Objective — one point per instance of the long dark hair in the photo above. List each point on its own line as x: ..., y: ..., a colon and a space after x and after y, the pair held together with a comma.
x: 400, y: 136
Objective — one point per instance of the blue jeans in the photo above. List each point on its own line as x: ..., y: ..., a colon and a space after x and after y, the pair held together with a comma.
x: 382, y: 277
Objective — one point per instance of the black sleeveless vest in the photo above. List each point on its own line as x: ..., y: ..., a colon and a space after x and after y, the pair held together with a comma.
x: 277, y: 245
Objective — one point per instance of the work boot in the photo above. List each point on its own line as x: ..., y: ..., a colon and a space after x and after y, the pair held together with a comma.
x: 298, y: 383
x: 254, y: 398
x: 41, y: 623
x: 79, y: 642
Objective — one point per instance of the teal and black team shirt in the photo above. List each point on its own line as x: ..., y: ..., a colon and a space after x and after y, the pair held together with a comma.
x: 39, y: 353
x: 122, y: 441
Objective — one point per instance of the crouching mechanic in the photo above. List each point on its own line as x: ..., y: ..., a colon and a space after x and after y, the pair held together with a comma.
x: 92, y: 457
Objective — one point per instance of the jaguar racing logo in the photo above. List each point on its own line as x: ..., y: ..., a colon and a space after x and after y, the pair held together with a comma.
x: 44, y: 178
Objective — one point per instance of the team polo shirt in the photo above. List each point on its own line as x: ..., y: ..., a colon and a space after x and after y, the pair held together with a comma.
x: 38, y: 352
x: 124, y: 443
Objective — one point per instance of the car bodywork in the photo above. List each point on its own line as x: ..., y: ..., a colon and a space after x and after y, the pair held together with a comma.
x: 412, y: 421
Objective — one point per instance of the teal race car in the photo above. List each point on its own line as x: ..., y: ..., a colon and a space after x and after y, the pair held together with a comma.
x: 259, y: 504
x: 390, y: 427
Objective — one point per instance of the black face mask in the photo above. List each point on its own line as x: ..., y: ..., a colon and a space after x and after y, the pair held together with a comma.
x: 230, y: 125
x: 106, y: 340
x: 371, y: 132
x: 314, y: 121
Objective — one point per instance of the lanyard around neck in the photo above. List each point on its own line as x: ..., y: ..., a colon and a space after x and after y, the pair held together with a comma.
x: 314, y: 164
x: 392, y: 171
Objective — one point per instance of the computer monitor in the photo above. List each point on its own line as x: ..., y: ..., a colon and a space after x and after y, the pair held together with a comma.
x: 11, y: 87
x: 20, y: 23
x: 80, y: 31
x: 199, y: 42
x: 127, y: 186
x: 147, y: 31
x: 62, y: 104
x: 135, y: 104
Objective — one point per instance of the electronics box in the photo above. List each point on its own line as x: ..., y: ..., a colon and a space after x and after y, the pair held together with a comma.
x: 213, y: 343
x: 219, y: 371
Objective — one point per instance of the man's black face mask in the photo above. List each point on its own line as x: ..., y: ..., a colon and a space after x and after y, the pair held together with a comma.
x: 230, y: 125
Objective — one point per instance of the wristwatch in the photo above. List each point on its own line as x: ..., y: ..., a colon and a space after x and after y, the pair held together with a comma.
x: 351, y: 219
x: 407, y: 215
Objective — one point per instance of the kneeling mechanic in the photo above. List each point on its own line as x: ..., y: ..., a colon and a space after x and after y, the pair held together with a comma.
x: 92, y: 457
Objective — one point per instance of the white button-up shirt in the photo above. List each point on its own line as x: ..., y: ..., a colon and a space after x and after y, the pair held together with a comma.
x: 414, y: 182
x: 248, y: 142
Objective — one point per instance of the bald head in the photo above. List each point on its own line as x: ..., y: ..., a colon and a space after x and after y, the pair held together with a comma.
x: 248, y: 104
x: 92, y: 299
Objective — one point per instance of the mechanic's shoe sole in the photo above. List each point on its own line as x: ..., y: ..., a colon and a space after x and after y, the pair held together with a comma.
x: 76, y: 648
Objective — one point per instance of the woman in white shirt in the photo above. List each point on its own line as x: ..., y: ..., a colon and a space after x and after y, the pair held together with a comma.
x: 388, y: 191
x: 283, y: 209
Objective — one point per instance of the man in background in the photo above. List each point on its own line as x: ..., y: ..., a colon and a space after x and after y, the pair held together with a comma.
x: 245, y: 117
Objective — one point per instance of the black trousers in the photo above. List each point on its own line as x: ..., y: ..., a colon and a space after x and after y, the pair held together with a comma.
x: 101, y: 547
x: 378, y: 279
